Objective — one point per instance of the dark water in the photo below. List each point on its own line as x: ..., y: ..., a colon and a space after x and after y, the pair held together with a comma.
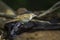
x: 31, y: 4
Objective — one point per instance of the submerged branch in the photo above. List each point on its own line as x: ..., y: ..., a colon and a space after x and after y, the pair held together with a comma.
x: 3, y: 6
x: 5, y: 10
x: 53, y: 8
x: 41, y: 21
x: 6, y: 16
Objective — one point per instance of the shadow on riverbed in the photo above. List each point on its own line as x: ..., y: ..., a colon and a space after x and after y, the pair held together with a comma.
x: 37, y: 26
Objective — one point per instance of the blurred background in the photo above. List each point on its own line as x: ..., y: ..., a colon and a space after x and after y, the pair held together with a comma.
x: 30, y: 4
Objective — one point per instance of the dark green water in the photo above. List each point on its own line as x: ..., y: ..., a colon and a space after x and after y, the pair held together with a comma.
x: 31, y: 4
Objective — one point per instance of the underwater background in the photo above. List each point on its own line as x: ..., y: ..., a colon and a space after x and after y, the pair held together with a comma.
x: 35, y: 5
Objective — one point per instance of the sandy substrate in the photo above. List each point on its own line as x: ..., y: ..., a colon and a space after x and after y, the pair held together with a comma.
x: 39, y: 35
